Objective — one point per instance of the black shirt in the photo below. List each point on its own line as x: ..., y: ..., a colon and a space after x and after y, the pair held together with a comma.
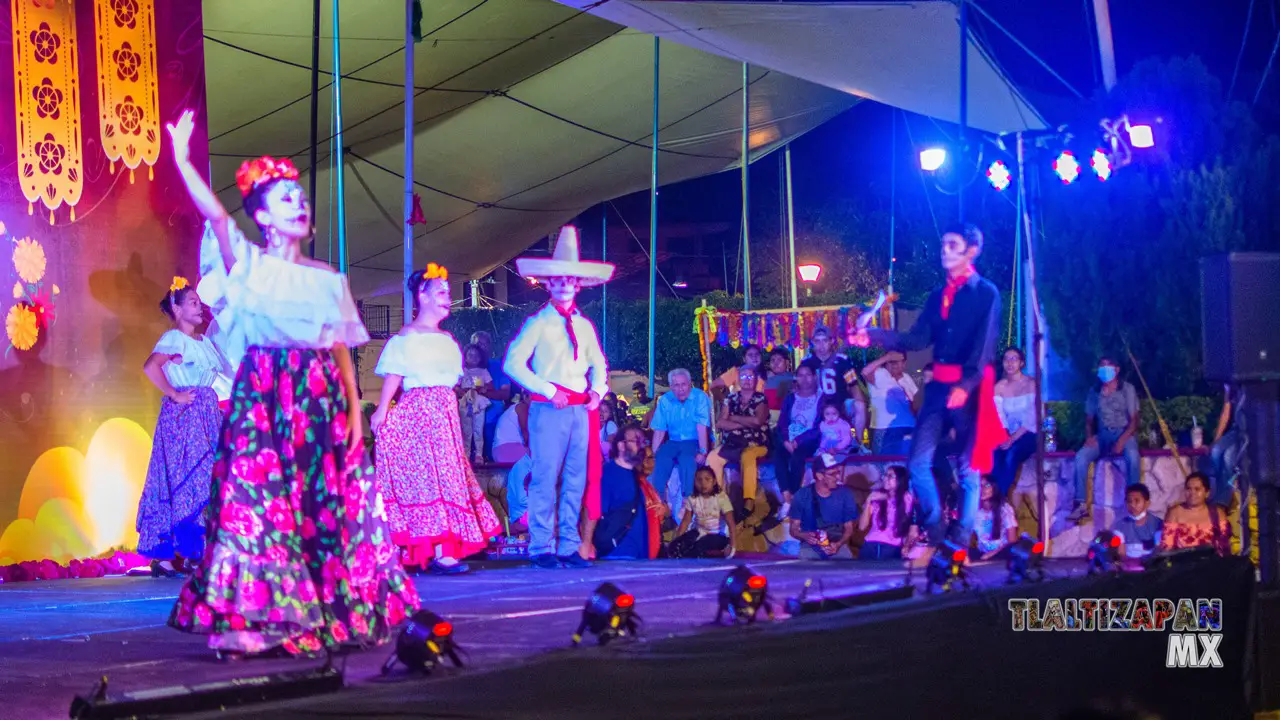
x: 966, y: 338
x: 833, y: 383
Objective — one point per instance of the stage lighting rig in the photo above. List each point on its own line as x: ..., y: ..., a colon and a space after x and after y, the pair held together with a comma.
x: 425, y: 640
x: 998, y: 175
x: 742, y: 594
x: 1066, y: 167
x: 946, y: 567
x: 609, y: 613
x: 1101, y: 165
x: 1026, y: 560
x: 1104, y: 553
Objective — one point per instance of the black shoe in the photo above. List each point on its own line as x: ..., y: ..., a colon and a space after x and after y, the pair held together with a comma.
x: 544, y: 561
x: 438, y: 568
x: 574, y: 561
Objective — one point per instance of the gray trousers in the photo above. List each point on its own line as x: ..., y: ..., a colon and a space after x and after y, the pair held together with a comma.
x: 558, y: 444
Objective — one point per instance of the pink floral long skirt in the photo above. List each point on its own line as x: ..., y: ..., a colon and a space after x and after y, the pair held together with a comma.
x: 299, y: 553
x: 432, y: 495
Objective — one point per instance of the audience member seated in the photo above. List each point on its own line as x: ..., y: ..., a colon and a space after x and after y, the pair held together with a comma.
x: 710, y: 513
x: 1227, y: 444
x: 822, y: 514
x: 730, y: 380
x: 511, y: 445
x: 1139, y: 531
x: 837, y: 435
x: 886, y: 518
x: 642, y: 409
x: 797, y: 436
x: 744, y: 424
x: 892, y: 392
x: 996, y: 527
x: 680, y: 436
x: 838, y: 380
x: 1016, y: 404
x: 778, y: 381
x: 499, y: 391
x: 608, y: 428
x: 631, y: 512
x: 1110, y: 428
x: 1196, y: 522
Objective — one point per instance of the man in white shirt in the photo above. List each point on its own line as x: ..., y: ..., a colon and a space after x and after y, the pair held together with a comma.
x: 892, y: 391
x: 552, y: 357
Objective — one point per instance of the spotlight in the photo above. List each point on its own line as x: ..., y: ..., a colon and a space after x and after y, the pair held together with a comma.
x: 998, y: 175
x: 932, y: 158
x: 609, y: 613
x: 1101, y: 165
x: 680, y: 284
x: 742, y: 594
x: 1104, y: 553
x: 1066, y: 167
x: 1140, y: 136
x: 1026, y: 560
x: 946, y: 567
x: 424, y: 641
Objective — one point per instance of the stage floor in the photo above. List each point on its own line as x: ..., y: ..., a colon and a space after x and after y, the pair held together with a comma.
x: 58, y: 637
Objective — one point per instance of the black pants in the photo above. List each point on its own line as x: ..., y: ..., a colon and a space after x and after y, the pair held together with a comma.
x: 689, y: 545
x: 790, y: 466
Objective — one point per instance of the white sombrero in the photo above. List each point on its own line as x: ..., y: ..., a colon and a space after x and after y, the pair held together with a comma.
x: 566, y: 262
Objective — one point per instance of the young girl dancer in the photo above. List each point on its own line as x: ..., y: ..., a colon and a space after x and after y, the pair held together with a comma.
x: 435, y: 507
x: 194, y: 377
x: 300, y: 556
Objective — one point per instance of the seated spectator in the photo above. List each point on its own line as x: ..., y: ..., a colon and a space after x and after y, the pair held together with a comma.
x: 499, y: 391
x: 1016, y: 404
x: 837, y: 435
x: 608, y: 428
x: 1225, y: 453
x: 1139, y: 531
x: 710, y: 512
x: 631, y: 512
x: 681, y: 439
x: 744, y: 423
x: 822, y: 514
x: 797, y: 436
x: 511, y: 446
x: 996, y: 528
x: 886, y: 518
x: 620, y: 407
x: 1196, y: 522
x: 838, y: 380
x: 1110, y: 428
x: 730, y: 380
x: 778, y: 381
x: 892, y: 391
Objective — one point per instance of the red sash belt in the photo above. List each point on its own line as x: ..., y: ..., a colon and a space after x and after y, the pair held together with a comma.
x: 990, y: 432
x: 595, y: 460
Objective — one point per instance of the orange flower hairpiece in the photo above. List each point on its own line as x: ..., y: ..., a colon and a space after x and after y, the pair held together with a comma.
x: 179, y: 283
x: 436, y: 272
x: 254, y: 172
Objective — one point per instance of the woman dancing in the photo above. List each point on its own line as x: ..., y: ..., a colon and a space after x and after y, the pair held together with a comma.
x: 299, y: 554
x: 194, y: 376
x: 435, y: 507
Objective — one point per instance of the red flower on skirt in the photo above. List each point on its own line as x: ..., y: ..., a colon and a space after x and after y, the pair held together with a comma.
x: 240, y: 520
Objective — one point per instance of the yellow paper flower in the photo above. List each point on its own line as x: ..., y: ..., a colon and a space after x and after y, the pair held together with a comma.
x: 28, y: 258
x: 20, y: 325
x: 178, y: 284
x: 17, y: 291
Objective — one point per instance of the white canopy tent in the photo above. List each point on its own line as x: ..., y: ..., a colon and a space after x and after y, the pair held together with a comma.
x: 531, y: 111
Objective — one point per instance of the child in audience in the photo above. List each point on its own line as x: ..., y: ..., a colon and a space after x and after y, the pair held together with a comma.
x: 1139, y: 531
x: 472, y: 404
x: 608, y: 428
x: 837, y: 434
x: 709, y: 509
x: 886, y: 518
x: 996, y: 527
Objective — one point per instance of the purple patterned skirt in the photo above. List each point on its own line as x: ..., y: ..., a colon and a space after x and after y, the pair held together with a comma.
x: 171, y: 514
x: 300, y: 556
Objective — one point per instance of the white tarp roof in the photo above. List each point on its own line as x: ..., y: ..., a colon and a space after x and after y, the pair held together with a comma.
x: 530, y: 111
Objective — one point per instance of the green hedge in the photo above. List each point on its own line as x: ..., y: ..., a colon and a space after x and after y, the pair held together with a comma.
x: 1177, y: 413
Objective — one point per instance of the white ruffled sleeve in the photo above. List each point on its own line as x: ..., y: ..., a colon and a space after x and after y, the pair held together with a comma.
x: 170, y: 343
x: 393, y: 360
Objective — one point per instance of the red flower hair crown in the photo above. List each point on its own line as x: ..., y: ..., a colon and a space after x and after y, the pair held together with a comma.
x: 254, y: 172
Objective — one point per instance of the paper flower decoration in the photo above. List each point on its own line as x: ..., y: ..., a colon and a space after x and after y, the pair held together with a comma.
x: 17, y: 291
x: 29, y: 259
x: 21, y: 326
x: 436, y: 272
x: 178, y: 283
x: 254, y: 172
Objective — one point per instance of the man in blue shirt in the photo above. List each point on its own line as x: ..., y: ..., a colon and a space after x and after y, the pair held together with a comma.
x: 822, y: 514
x: 498, y: 393
x: 623, y: 529
x: 680, y: 435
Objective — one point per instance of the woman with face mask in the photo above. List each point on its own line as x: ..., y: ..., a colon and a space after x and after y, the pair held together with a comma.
x: 1110, y: 426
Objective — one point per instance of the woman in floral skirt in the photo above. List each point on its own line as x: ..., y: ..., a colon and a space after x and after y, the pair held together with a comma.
x: 194, y: 376
x: 435, y: 507
x: 300, y: 557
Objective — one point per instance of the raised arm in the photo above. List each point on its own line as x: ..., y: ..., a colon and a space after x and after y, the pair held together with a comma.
x: 201, y: 194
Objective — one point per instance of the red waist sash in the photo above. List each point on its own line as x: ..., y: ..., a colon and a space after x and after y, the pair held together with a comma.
x: 595, y: 460
x: 989, y: 432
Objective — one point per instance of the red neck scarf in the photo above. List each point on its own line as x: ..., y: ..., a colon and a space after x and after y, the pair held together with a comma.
x: 951, y: 288
x: 567, y: 314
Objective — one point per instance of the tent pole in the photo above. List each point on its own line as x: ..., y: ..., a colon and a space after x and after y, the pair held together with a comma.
x: 604, y: 289
x: 1106, y: 48
x: 408, y: 163
x: 338, y: 149
x: 791, y: 233
x: 746, y: 187
x: 1037, y: 337
x: 893, y: 191
x: 653, y: 222
x: 964, y: 104
x: 315, y: 116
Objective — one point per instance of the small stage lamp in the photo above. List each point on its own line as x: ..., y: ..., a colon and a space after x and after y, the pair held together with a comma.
x: 932, y: 158
x: 1026, y: 560
x: 998, y: 175
x: 946, y: 567
x: 1101, y: 165
x: 425, y: 639
x: 1140, y: 136
x: 608, y: 614
x: 1104, y: 553
x: 1066, y: 167
x: 742, y: 594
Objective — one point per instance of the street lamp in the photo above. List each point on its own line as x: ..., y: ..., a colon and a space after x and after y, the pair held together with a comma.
x: 932, y: 158
x: 809, y: 273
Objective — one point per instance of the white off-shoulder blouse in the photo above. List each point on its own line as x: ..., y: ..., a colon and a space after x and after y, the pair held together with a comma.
x: 202, y: 365
x: 422, y: 359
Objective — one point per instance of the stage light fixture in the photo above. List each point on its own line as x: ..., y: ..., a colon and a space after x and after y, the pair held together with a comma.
x: 932, y: 158
x: 1104, y: 552
x: 1101, y: 165
x: 608, y: 614
x: 1066, y: 167
x: 742, y: 594
x: 1026, y: 560
x: 998, y: 175
x: 680, y: 285
x: 946, y: 567
x: 809, y: 272
x: 1140, y: 136
x: 424, y: 641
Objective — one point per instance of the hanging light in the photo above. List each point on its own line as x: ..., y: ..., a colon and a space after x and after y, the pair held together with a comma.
x: 932, y: 158
x: 1066, y: 167
x: 810, y: 272
x: 1140, y: 136
x: 1101, y: 165
x: 998, y: 175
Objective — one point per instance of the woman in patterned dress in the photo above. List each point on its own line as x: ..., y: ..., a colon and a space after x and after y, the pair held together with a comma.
x: 194, y: 377
x: 300, y: 556
x: 435, y: 507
